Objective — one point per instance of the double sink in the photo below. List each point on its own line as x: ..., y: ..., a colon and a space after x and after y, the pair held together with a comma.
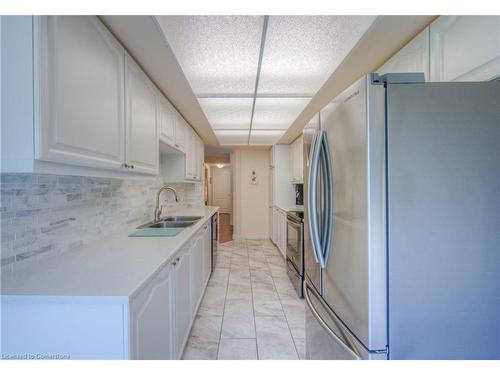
x: 172, y: 222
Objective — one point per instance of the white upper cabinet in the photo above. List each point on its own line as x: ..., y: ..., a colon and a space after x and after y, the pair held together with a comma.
x: 413, y: 57
x: 79, y: 92
x: 142, y: 141
x: 181, y: 132
x: 166, y: 121
x: 465, y: 48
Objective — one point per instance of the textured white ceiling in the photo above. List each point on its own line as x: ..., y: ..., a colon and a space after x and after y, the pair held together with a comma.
x: 301, y: 52
x: 220, y: 54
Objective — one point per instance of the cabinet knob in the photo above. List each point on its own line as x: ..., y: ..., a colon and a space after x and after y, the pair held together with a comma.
x: 131, y: 166
x: 174, y: 263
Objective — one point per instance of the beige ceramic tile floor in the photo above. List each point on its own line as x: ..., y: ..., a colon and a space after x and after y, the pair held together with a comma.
x: 250, y: 309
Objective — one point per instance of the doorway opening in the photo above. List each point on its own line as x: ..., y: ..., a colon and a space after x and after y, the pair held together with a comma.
x: 219, y: 190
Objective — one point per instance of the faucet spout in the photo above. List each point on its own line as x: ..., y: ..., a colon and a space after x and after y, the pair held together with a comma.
x: 158, y: 209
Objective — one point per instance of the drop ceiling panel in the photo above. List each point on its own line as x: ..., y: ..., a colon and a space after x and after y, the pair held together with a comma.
x: 265, y: 137
x: 232, y: 137
x: 227, y: 113
x: 218, y: 54
x: 277, y: 113
x: 301, y: 52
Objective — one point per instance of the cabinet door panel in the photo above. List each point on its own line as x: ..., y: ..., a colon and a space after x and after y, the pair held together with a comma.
x: 465, y: 48
x: 207, y: 252
x: 81, y: 92
x: 142, y: 141
x: 151, y: 319
x: 182, y: 302
x: 166, y: 121
x: 197, y: 268
x: 414, y: 57
x: 180, y: 132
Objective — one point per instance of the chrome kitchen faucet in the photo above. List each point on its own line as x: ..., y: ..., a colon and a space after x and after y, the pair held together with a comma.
x: 157, y: 207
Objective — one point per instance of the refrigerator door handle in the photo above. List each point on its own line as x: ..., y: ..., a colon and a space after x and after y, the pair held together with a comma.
x: 331, y: 333
x: 328, y: 181
x: 312, y: 198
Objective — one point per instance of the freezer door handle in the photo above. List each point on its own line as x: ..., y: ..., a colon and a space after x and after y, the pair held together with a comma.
x: 311, y: 197
x: 328, y: 201
x: 320, y: 152
x: 349, y: 349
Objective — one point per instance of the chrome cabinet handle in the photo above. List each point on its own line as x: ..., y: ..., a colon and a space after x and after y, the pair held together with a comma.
x: 320, y: 320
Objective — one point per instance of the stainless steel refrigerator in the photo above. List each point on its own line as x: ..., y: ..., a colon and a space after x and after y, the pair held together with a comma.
x: 402, y: 221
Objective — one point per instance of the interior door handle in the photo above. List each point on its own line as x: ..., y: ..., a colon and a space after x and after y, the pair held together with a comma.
x: 325, y: 326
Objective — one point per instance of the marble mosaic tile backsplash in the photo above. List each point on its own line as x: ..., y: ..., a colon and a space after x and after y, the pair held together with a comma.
x: 44, y: 215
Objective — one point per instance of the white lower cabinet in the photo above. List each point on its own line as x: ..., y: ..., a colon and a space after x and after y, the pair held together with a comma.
x: 274, y: 236
x: 207, y: 252
x: 151, y: 314
x: 197, y: 280
x: 154, y: 323
x: 279, y: 229
x: 182, y: 300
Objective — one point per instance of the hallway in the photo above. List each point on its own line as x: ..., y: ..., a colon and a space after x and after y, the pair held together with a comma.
x: 250, y: 309
x: 225, y: 228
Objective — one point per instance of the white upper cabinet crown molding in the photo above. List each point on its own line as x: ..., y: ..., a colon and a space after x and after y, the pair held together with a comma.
x: 413, y: 57
x: 141, y: 124
x: 79, y: 92
x: 465, y: 48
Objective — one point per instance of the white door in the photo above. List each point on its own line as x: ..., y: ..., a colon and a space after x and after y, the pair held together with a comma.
x: 81, y: 92
x: 221, y: 189
x: 151, y: 313
x: 182, y: 301
x: 141, y: 136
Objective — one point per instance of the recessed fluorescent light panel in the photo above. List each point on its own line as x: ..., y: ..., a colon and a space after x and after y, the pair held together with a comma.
x: 227, y: 113
x: 220, y: 58
x: 232, y: 137
x: 277, y: 113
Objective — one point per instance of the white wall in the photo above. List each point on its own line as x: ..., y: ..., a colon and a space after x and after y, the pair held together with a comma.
x: 251, y: 202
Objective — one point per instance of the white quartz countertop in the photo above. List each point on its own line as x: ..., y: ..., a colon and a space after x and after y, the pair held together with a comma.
x: 290, y: 208
x: 117, y: 265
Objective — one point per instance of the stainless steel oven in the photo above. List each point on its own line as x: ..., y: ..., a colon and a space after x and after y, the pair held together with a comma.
x: 295, y: 250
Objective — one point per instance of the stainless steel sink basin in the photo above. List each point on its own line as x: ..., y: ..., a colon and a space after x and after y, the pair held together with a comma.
x: 173, y: 222
x: 182, y: 218
x: 170, y: 224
